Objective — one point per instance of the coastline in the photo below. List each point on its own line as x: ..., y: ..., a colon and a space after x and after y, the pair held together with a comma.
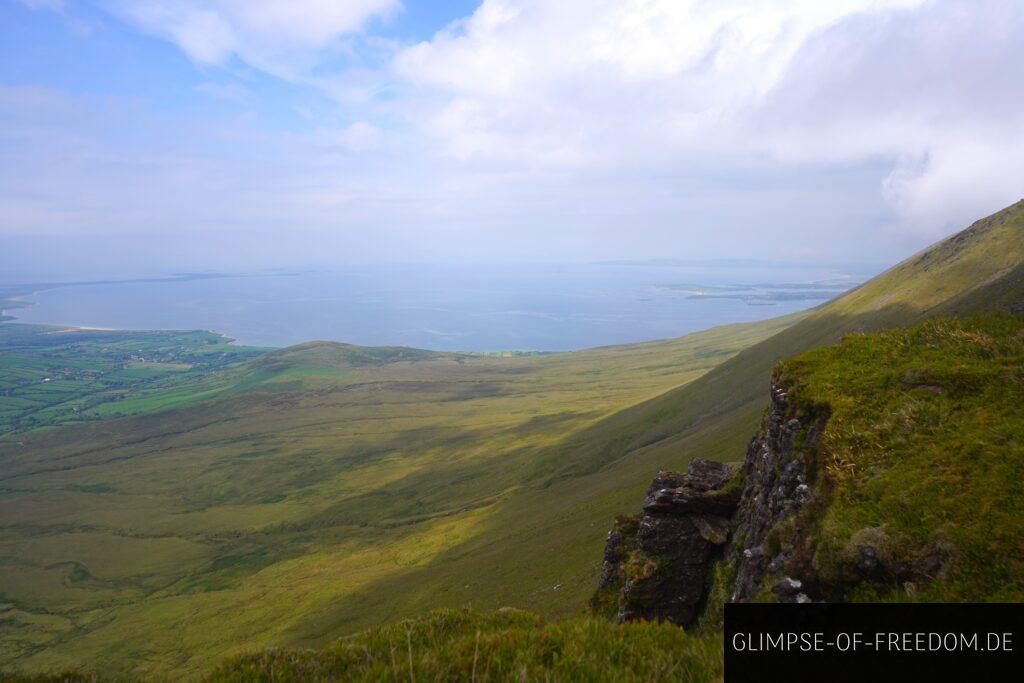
x: 587, y: 325
x: 14, y: 297
x: 58, y: 328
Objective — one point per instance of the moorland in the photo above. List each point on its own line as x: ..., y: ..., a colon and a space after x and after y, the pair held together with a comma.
x: 324, y: 489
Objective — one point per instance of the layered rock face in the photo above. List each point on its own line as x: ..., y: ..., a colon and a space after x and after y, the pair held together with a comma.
x: 777, y: 473
x: 655, y: 566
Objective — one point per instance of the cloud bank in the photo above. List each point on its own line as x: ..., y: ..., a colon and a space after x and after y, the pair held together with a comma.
x: 935, y: 87
x: 858, y: 124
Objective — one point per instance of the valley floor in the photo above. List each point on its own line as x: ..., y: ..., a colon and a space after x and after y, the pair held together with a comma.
x: 321, y: 489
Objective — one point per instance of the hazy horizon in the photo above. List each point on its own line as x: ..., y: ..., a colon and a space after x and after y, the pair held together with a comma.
x: 540, y: 307
x: 38, y: 260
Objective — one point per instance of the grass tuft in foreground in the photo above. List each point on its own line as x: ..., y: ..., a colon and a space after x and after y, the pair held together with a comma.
x: 68, y: 677
x: 463, y: 645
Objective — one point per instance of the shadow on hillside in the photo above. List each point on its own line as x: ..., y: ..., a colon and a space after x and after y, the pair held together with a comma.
x: 732, y: 393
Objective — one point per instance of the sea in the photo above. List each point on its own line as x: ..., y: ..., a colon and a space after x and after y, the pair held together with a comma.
x: 548, y: 307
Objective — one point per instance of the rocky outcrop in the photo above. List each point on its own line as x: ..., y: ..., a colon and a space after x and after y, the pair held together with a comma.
x: 656, y: 565
x: 778, y: 477
x: 866, y: 481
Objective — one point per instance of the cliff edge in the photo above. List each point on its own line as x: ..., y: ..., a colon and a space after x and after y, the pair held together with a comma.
x: 888, y: 467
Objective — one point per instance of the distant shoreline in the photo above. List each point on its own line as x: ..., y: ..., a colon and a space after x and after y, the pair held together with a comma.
x: 14, y: 297
x: 486, y: 312
x: 21, y: 303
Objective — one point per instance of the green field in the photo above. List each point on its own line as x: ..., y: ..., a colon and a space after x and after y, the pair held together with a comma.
x: 329, y: 488
x: 54, y: 375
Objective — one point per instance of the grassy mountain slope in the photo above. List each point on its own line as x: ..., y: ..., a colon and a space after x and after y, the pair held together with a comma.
x: 326, y: 488
x: 606, y: 467
x: 980, y: 269
x: 924, y: 451
x: 931, y: 415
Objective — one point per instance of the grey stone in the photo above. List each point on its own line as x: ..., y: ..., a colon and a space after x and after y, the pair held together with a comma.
x: 685, y: 522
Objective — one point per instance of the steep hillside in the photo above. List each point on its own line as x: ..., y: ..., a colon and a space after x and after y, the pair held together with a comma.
x: 911, y: 446
x: 603, y: 470
x: 980, y: 269
x: 713, y: 417
x: 888, y: 467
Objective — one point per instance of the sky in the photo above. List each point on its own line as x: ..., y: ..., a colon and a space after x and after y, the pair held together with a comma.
x: 176, y: 134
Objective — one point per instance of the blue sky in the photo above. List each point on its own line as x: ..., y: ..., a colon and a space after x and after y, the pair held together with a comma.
x: 223, y: 133
x: 79, y: 48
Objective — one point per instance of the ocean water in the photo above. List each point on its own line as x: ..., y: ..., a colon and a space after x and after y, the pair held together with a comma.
x: 535, y: 308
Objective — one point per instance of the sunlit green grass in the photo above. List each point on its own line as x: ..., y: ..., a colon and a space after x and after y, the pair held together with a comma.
x: 924, y: 451
x: 52, y: 375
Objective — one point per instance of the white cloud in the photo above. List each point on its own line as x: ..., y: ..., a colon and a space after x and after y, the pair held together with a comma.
x: 937, y: 90
x: 648, y: 85
x: 933, y: 86
x: 276, y: 35
x: 665, y: 71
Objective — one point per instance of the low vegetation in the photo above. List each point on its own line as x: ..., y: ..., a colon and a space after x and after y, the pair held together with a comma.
x: 924, y: 450
x: 507, y: 645
x: 322, y: 489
